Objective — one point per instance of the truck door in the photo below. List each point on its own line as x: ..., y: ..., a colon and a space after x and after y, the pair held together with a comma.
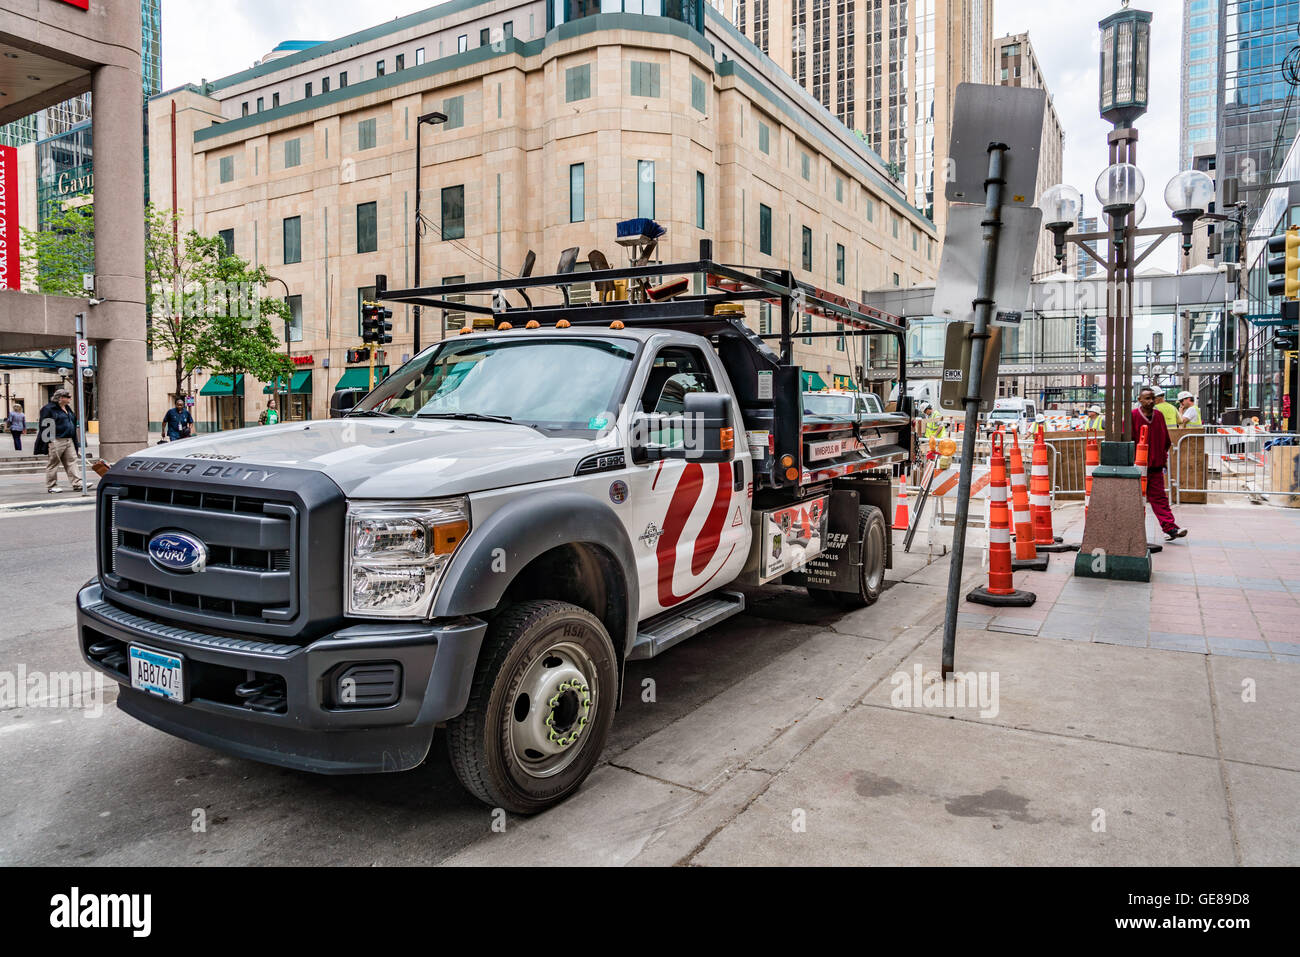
x: 690, y: 523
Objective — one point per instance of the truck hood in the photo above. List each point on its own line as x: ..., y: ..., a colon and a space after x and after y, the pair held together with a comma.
x: 396, y: 458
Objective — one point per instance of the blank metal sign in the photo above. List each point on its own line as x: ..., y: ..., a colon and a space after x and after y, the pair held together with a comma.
x: 984, y: 114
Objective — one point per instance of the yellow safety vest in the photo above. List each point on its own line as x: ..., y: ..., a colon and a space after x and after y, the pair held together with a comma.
x: 1169, y: 412
x: 935, y: 428
x: 1196, y: 420
x: 1094, y: 423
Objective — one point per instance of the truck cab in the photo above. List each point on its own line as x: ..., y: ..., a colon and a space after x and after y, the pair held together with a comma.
x: 486, y: 539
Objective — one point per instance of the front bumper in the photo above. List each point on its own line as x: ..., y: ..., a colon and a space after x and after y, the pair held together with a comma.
x: 301, y: 723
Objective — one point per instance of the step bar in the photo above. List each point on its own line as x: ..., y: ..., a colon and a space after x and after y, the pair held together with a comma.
x: 662, y: 632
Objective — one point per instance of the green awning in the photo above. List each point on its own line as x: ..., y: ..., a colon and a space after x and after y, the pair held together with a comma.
x: 221, y: 385
x: 359, y: 378
x: 812, y: 382
x: 301, y: 382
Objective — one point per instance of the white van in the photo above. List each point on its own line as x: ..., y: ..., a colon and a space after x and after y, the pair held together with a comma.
x: 1016, y: 413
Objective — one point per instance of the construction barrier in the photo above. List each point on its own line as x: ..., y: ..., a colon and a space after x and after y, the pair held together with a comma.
x: 1001, y: 590
x: 1235, y: 460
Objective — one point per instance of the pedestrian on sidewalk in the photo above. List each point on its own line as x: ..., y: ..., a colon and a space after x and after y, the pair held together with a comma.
x: 1149, y: 415
x: 270, y: 415
x: 177, y: 423
x: 56, y: 437
x: 17, y: 423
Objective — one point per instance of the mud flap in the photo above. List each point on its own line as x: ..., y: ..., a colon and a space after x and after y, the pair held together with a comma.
x: 839, y: 565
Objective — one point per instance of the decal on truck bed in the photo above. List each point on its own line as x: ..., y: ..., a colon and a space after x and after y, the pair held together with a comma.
x: 685, y: 496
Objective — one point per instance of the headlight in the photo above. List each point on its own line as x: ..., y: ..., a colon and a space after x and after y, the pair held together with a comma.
x: 398, y: 551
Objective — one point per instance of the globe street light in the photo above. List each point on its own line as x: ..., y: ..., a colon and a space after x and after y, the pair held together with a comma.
x: 1188, y: 197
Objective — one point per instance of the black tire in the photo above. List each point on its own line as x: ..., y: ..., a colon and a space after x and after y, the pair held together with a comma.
x: 488, y: 742
x: 873, y: 535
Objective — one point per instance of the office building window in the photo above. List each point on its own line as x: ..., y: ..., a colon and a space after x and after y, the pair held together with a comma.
x: 806, y: 234
x: 453, y: 212
x: 292, y: 152
x: 577, y: 83
x: 484, y: 37
x: 399, y: 62
x: 896, y: 281
x: 805, y: 165
x: 895, y: 219
x: 275, y: 100
x: 343, y: 80
x: 243, y: 109
x: 228, y: 240
x: 453, y: 107
x: 765, y: 229
x: 324, y: 84
x: 699, y: 200
x: 367, y: 227
x: 871, y: 210
x: 839, y: 264
x: 645, y: 79
x: 306, y: 91
x: 916, y: 240
x: 379, y: 68
x: 699, y: 99
x: 419, y: 55
x: 462, y: 43
x: 261, y: 104
x: 295, y: 318
x: 508, y: 30
x: 366, y: 134
x: 227, y: 172
x: 645, y: 189
x: 839, y: 190
x: 764, y: 138
x: 293, y: 240
x: 577, y: 192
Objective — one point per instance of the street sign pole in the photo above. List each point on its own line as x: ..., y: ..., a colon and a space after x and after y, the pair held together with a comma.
x: 983, y: 305
x: 83, y: 363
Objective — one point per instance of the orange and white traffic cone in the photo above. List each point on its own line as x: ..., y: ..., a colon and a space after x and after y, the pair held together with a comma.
x: 1001, y: 590
x: 1026, y: 554
x: 901, y: 520
x: 1040, y: 501
x: 1091, y: 459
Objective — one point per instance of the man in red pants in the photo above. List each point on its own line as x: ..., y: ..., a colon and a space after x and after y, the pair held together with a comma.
x: 1157, y: 458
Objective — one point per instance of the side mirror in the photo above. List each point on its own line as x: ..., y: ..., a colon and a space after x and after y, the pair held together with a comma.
x: 701, y: 433
x: 343, y: 400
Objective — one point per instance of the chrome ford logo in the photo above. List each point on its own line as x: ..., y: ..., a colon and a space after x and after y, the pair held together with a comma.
x: 175, y: 552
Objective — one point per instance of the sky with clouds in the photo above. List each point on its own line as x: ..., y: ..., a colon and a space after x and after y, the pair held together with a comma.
x: 209, y: 40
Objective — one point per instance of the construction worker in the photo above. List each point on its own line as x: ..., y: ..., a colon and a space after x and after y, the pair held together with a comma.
x: 1039, y: 425
x: 1094, y: 421
x: 1165, y: 409
x: 935, y: 427
x: 1189, y: 414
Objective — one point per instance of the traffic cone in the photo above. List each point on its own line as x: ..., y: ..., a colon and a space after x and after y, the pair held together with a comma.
x: 1091, y: 459
x: 1141, y: 460
x: 1040, y: 501
x: 1026, y: 554
x: 901, y: 520
x: 1001, y: 591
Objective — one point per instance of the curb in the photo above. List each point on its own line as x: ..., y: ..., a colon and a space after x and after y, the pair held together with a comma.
x: 49, y: 501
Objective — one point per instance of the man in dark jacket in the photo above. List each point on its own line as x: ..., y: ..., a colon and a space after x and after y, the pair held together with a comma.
x: 1148, y: 414
x: 178, y: 423
x: 56, y: 436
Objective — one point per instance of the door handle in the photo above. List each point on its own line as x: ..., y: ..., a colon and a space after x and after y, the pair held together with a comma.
x: 738, y: 476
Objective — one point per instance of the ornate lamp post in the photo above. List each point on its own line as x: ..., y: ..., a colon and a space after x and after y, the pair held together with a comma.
x: 1124, y: 68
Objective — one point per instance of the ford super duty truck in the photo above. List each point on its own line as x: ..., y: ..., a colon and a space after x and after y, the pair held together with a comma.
x: 487, y: 538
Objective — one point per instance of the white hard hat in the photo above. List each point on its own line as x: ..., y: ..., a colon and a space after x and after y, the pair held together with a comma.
x: 1185, y: 395
x: 1158, y: 390
x: 1095, y: 409
x: 1040, y: 417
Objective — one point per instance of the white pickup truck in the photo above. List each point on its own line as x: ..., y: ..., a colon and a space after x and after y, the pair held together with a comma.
x: 486, y: 539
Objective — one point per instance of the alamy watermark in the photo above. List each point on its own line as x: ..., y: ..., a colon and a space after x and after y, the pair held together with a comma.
x: 83, y: 690
x: 966, y: 689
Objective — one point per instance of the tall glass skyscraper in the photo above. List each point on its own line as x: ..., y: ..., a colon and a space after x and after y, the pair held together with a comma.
x: 1200, y: 71
x: 1257, y: 116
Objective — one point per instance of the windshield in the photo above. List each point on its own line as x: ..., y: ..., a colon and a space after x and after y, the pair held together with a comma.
x: 564, y: 385
x: 816, y: 404
x: 1004, y: 414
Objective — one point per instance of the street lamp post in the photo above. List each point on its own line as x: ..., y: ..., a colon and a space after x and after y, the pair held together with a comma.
x: 432, y: 119
x: 1125, y: 63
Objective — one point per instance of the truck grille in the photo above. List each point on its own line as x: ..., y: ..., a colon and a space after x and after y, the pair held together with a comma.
x: 250, y: 575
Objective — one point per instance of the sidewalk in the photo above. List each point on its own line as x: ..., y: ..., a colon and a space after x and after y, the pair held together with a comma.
x: 1133, y: 724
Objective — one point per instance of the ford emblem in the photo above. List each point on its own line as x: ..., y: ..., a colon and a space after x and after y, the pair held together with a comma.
x: 176, y: 552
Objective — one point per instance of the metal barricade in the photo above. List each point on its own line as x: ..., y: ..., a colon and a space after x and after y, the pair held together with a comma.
x: 1068, y: 460
x: 1236, y: 460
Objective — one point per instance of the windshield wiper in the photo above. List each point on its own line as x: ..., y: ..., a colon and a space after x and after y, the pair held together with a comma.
x: 361, y: 412
x: 474, y: 417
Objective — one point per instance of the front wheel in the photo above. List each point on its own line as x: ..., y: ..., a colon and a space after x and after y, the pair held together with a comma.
x: 539, y: 709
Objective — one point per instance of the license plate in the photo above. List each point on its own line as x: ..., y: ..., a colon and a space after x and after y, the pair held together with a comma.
x: 158, y: 673
x: 825, y: 450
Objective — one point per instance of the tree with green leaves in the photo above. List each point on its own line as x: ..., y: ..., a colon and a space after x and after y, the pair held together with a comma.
x: 240, y: 332
x: 55, y: 258
x: 177, y: 262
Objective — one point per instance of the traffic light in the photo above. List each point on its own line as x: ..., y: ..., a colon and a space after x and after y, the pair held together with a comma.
x: 358, y: 355
x: 375, y: 326
x: 1284, y: 263
x: 1287, y: 336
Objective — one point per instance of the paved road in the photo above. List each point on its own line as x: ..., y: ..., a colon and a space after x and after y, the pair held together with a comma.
x: 80, y: 787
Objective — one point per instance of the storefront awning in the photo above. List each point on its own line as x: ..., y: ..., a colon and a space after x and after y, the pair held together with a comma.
x: 359, y: 378
x: 222, y: 385
x: 301, y: 382
x: 812, y: 382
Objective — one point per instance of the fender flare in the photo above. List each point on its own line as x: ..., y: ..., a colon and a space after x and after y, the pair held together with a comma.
x: 525, y: 529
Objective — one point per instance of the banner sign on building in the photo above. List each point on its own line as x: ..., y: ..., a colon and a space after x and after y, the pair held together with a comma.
x: 9, y: 272
x: 79, y: 4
